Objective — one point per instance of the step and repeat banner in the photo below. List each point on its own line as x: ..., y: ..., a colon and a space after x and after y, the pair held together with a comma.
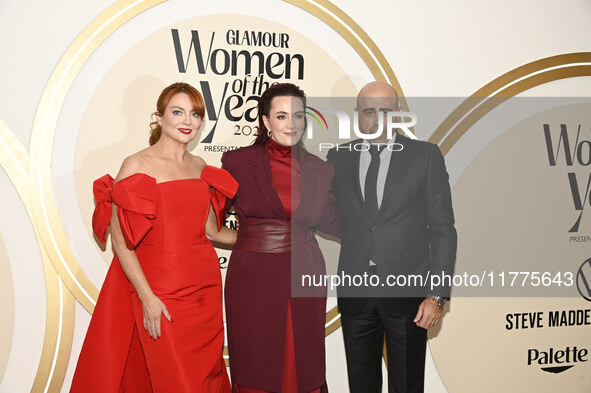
x: 510, y: 110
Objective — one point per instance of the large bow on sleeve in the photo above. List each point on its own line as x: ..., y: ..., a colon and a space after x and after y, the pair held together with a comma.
x: 222, y: 186
x: 102, y: 189
x: 136, y: 200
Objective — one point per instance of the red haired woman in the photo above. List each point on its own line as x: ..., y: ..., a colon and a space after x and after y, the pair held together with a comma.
x: 157, y: 325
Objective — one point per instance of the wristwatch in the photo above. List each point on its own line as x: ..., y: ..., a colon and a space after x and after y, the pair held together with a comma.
x: 440, y: 299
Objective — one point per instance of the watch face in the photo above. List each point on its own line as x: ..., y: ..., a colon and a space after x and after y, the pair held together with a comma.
x: 440, y: 299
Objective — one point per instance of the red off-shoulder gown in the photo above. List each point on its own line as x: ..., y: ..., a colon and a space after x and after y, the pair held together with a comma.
x: 165, y: 224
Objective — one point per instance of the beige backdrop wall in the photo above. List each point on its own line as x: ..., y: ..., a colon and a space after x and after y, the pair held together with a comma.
x: 54, y: 141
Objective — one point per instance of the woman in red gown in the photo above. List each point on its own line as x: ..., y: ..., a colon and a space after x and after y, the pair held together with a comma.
x: 157, y: 325
x: 275, y: 327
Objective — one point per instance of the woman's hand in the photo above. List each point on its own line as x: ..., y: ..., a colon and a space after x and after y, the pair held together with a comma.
x: 153, y: 308
x: 225, y: 235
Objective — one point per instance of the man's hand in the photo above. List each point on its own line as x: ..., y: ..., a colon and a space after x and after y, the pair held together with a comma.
x: 429, y: 313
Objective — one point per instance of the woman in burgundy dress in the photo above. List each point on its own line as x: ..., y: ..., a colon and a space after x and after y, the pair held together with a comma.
x: 157, y: 325
x: 275, y: 326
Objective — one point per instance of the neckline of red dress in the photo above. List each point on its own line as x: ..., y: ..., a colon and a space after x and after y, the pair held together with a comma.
x: 163, y: 182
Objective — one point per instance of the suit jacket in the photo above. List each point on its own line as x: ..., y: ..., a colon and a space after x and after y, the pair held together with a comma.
x: 413, y: 233
x: 259, y: 285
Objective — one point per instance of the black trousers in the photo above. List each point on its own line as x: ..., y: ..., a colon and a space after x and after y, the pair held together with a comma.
x: 364, y: 338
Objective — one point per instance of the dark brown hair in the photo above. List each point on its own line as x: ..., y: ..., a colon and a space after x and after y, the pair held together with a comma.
x: 264, y: 106
x: 164, y: 99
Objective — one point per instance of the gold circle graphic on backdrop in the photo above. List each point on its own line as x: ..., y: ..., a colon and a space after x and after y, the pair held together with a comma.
x: 47, y: 220
x: 505, y: 86
x: 59, y: 316
x: 45, y: 210
x: 60, y: 268
x: 470, y: 330
x: 46, y: 213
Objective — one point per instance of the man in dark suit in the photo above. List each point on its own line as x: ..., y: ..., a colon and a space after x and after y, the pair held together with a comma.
x: 397, y: 221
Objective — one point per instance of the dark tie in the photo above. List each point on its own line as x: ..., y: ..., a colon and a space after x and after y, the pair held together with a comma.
x: 371, y: 182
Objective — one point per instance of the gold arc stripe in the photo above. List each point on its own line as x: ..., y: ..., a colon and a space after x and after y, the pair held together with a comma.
x: 333, y: 320
x: 45, y: 211
x: 502, y: 81
x: 508, y: 85
x: 60, y: 304
x: 14, y: 160
x: 356, y: 37
x: 64, y: 279
x: 59, y: 333
x: 492, y: 102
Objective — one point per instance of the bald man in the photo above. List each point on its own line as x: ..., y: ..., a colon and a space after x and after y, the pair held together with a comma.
x: 397, y: 221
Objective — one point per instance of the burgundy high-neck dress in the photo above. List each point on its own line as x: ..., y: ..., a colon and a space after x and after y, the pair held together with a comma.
x: 275, y: 339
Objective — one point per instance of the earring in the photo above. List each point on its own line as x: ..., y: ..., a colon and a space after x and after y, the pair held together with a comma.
x: 269, y: 133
